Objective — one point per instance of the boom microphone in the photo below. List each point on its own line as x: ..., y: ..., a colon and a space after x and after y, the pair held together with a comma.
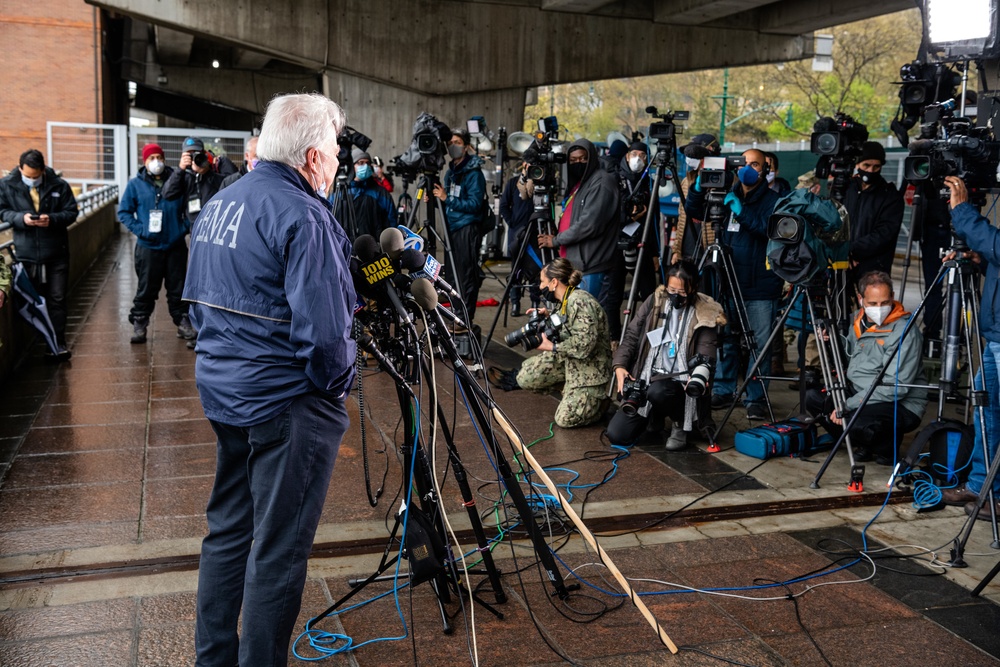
x: 425, y: 266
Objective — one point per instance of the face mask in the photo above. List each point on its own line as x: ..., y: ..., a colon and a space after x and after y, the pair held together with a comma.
x: 748, y: 175
x: 548, y: 294
x: 692, y: 163
x: 253, y: 164
x: 456, y: 151
x: 870, y: 177
x: 155, y: 167
x: 636, y: 163
x: 576, y: 171
x: 363, y: 172
x: 677, y: 301
x: 321, y: 190
x: 877, y: 314
x: 770, y: 177
x: 31, y: 182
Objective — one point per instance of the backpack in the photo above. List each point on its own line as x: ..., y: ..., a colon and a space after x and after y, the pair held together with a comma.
x: 949, y: 446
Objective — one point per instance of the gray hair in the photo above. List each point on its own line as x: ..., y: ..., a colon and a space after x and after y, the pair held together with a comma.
x: 295, y: 123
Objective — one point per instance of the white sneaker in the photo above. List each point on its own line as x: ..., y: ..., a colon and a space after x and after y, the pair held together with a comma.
x: 678, y: 439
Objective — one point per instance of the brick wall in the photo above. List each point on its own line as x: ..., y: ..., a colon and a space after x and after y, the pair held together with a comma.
x: 48, y: 71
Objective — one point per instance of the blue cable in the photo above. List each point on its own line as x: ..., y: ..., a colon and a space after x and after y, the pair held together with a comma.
x: 328, y: 644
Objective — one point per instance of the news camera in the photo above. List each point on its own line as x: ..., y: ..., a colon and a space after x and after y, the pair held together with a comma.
x: 838, y: 141
x: 665, y: 132
x: 544, y: 156
x: 428, y: 149
x: 347, y: 140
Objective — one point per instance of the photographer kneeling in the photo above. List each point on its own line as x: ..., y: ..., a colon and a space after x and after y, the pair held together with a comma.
x: 580, y: 357
x: 667, y: 358
x: 876, y: 332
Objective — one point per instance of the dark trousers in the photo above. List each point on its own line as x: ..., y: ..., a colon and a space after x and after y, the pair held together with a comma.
x: 154, y: 268
x: 614, y: 288
x: 465, y: 249
x: 934, y: 239
x: 874, y: 427
x: 51, y: 279
x: 667, y: 400
x: 271, y: 482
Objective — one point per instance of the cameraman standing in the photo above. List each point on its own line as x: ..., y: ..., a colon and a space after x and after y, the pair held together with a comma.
x: 875, y: 207
x: 983, y: 239
x: 194, y: 183
x: 751, y: 203
x: 463, y: 193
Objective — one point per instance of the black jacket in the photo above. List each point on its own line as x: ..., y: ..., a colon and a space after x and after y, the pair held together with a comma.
x: 633, y: 190
x: 516, y: 212
x: 876, y: 215
x: 39, y: 244
x: 591, y: 240
x: 187, y: 186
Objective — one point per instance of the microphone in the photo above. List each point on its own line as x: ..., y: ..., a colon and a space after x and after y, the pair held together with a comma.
x: 375, y: 271
x: 424, y: 294
x: 425, y: 266
x: 411, y: 240
x: 367, y: 343
x: 391, y: 240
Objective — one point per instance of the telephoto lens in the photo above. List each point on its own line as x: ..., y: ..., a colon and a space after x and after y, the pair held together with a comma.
x: 700, y: 376
x: 200, y: 159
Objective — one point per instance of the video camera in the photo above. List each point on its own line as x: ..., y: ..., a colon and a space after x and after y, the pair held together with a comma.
x: 347, y: 140
x: 806, y: 235
x: 921, y: 85
x: 544, y: 156
x: 427, y: 150
x: 530, y: 335
x: 665, y: 133
x: 838, y: 141
x: 949, y: 145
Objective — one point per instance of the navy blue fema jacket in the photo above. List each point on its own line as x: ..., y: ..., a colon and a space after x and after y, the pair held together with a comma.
x: 749, y: 245
x: 272, y: 297
x: 467, y: 208
x: 982, y: 238
x: 142, y: 195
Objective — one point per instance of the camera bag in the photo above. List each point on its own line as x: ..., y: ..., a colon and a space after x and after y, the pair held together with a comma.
x: 791, y: 437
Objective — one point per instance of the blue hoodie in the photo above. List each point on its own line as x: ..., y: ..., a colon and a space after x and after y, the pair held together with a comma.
x: 983, y: 238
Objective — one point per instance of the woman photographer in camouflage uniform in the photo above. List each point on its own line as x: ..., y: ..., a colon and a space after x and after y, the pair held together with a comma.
x: 581, y: 357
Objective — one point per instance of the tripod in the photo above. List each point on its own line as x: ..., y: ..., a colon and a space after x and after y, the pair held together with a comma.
x: 418, y: 472
x: 343, y: 206
x: 663, y: 160
x: 426, y: 187
x: 729, y: 294
x: 543, y: 220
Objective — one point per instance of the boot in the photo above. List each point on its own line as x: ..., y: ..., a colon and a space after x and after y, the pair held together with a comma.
x: 678, y: 439
x: 515, y: 301
x: 139, y: 331
x: 185, y: 330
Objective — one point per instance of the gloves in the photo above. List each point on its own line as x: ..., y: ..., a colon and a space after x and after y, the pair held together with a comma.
x: 734, y: 204
x: 697, y: 184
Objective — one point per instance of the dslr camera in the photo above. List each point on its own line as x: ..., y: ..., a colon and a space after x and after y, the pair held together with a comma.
x: 633, y: 396
x: 700, y: 375
x: 530, y: 335
x: 201, y: 159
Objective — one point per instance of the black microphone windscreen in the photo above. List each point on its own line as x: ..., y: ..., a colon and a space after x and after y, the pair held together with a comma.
x: 391, y: 241
x: 366, y: 247
x: 424, y: 294
x: 412, y: 260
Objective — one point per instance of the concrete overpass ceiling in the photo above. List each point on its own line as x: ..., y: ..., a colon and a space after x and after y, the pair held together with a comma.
x: 172, y: 46
x: 700, y: 12
x: 582, y: 6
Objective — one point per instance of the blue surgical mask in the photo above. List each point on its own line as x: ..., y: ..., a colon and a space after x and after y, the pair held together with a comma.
x: 31, y: 182
x: 748, y: 175
x: 363, y: 172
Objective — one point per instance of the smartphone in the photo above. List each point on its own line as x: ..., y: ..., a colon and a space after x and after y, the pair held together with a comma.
x: 35, y: 216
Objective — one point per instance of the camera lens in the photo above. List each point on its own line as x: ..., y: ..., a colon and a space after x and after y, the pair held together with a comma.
x: 200, y: 159
x: 786, y: 229
x: 826, y: 143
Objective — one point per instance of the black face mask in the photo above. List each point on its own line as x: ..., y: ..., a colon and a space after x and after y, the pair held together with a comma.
x: 678, y: 301
x: 870, y: 177
x: 576, y: 171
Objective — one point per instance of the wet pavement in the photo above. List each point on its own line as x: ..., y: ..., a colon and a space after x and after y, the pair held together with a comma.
x: 106, y: 464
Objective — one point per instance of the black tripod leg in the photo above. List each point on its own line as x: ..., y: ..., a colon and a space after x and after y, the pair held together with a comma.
x: 506, y: 293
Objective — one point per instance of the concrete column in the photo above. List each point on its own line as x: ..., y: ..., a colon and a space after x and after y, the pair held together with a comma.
x: 386, y: 113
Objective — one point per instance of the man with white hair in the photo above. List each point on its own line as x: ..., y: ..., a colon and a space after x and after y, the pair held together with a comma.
x: 272, y: 299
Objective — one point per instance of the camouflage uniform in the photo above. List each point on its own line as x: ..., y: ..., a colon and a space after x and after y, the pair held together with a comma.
x: 582, y: 360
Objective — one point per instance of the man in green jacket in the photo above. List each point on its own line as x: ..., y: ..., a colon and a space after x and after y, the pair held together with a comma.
x: 894, y: 408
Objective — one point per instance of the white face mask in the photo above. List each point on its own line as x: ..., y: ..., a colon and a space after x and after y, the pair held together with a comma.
x: 877, y: 314
x: 770, y: 177
x: 636, y: 163
x: 155, y: 167
x: 692, y: 163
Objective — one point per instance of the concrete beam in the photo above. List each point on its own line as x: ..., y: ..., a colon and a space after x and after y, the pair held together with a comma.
x: 448, y: 47
x: 249, y: 90
x: 246, y: 59
x: 795, y: 17
x: 698, y: 12
x: 573, y: 5
x: 172, y: 47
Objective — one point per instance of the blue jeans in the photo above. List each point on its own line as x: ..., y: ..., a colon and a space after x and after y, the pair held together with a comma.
x: 979, y: 465
x: 761, y: 316
x: 270, y: 484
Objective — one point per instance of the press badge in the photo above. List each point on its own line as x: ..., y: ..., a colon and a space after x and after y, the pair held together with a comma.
x: 655, y: 337
x: 455, y: 191
x: 155, y: 221
x: 733, y: 225
x: 194, y: 205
